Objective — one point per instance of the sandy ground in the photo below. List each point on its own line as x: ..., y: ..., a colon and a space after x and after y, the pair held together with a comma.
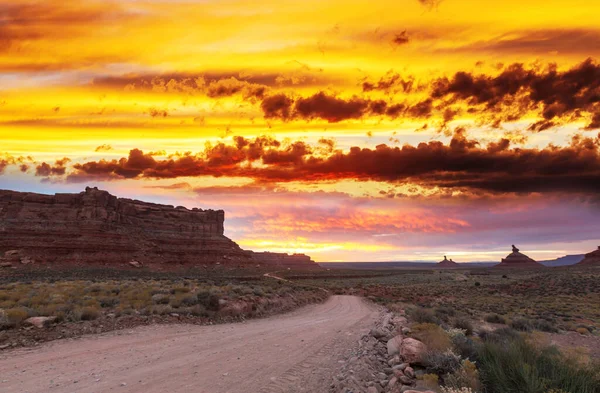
x: 295, y: 352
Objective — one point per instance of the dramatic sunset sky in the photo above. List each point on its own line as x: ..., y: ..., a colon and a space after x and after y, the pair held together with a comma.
x: 350, y: 131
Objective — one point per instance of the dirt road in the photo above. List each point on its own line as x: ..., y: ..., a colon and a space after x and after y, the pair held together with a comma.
x: 295, y: 352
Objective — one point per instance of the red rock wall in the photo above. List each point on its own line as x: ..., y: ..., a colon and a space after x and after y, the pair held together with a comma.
x: 95, y: 227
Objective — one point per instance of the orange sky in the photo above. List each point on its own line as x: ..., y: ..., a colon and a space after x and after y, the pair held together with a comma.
x: 350, y: 131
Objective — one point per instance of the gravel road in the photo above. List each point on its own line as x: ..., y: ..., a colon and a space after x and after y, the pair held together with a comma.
x: 294, y: 352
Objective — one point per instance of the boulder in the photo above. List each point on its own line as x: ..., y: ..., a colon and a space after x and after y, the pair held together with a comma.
x: 394, y: 345
x: 40, y: 322
x: 412, y: 350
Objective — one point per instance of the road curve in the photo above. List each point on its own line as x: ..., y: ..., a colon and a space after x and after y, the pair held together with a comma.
x: 294, y: 352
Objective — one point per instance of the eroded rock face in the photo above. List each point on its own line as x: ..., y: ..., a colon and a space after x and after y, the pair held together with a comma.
x: 95, y: 227
x: 518, y: 260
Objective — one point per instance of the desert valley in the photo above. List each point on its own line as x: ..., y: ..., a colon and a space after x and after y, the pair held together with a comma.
x: 171, y: 304
x: 281, y: 196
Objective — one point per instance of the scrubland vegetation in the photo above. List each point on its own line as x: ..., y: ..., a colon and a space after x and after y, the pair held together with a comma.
x: 551, y: 300
x: 488, y: 331
x: 84, y: 306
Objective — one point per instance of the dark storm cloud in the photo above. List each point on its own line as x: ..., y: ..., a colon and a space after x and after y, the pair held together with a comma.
x: 462, y: 164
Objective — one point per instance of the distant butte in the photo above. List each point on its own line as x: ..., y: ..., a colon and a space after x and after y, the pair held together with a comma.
x: 447, y: 263
x: 591, y: 259
x: 518, y: 260
x: 95, y: 227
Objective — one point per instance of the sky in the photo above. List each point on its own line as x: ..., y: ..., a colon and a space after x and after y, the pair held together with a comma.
x: 349, y: 131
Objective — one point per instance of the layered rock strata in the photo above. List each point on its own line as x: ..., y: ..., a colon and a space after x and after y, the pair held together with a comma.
x: 95, y: 227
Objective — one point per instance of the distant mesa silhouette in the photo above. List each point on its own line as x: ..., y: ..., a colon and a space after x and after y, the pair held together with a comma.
x: 591, y: 259
x: 447, y: 263
x: 517, y: 260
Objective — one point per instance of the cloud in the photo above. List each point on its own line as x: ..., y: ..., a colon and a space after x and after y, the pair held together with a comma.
x: 333, y: 109
x: 156, y: 112
x: 461, y: 165
x: 391, y: 82
x: 517, y: 90
x: 7, y: 160
x: 401, y: 38
x: 58, y: 169
x: 584, y: 42
x: 104, y: 147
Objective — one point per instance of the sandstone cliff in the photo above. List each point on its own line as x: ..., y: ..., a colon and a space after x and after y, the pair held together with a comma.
x: 95, y: 227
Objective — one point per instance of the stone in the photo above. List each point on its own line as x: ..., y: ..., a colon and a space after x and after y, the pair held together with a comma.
x: 394, y: 361
x: 95, y: 227
x: 405, y: 380
x: 394, y: 344
x: 378, y: 333
x: 5, y: 264
x: 409, y: 372
x: 412, y: 350
x: 135, y: 263
x: 406, y: 331
x: 372, y: 389
x: 392, y: 382
x: 39, y: 322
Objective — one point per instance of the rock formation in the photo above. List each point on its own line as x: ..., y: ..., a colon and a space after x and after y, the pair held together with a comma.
x: 447, y: 263
x: 518, y: 260
x: 95, y: 227
x: 591, y: 259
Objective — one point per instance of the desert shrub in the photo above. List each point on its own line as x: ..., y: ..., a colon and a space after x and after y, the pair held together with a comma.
x: 431, y: 381
x: 495, y: 318
x: 108, y: 301
x: 199, y: 311
x: 520, y: 367
x: 89, y: 314
x: 464, y: 346
x: 466, y: 376
x: 432, y: 335
x: 521, y: 324
x: 500, y: 336
x: 176, y: 290
x: 209, y: 300
x: 160, y: 298
x: 464, y: 324
x: 74, y: 315
x: 544, y: 326
x: 583, y: 331
x: 441, y: 363
x: 13, y: 317
x: 189, y: 300
x: 161, y: 309
x: 258, y: 292
x: 444, y: 313
x: 422, y: 315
